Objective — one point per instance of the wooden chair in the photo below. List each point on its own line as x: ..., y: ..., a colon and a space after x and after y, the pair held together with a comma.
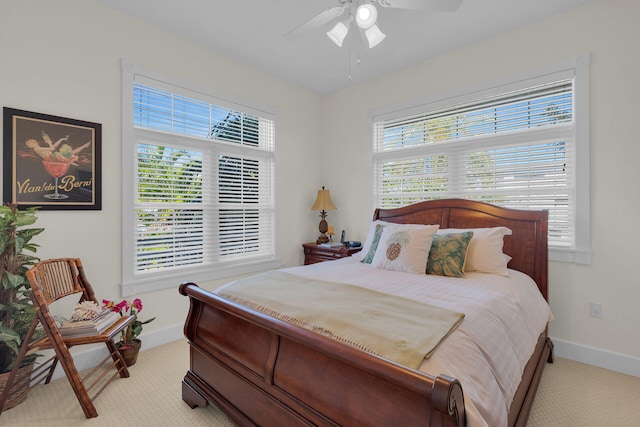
x: 50, y: 281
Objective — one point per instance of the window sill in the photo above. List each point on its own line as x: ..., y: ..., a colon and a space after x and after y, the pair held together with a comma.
x: 166, y: 280
x: 574, y: 256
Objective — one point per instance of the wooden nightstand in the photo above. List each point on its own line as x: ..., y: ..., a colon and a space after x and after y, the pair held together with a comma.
x: 314, y: 253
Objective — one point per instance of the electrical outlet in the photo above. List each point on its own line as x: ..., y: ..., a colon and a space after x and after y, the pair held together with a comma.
x: 596, y: 310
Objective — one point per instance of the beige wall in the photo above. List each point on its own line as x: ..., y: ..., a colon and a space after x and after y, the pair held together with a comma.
x: 63, y: 58
x: 608, y: 31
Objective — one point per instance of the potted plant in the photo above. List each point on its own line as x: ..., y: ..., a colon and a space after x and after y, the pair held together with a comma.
x: 129, y: 344
x: 16, y: 310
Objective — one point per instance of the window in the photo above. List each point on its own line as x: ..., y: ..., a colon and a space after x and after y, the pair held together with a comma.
x: 523, y: 144
x: 198, y: 192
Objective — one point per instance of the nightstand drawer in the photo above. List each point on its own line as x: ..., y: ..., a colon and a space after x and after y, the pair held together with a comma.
x: 314, y: 253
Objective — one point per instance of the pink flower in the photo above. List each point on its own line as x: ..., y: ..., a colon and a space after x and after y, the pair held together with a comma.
x: 126, y: 308
x: 137, y: 304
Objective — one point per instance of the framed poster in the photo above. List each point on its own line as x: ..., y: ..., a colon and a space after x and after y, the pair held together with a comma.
x: 51, y: 162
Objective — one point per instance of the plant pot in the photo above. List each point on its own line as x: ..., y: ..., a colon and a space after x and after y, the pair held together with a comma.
x: 20, y: 387
x: 129, y: 351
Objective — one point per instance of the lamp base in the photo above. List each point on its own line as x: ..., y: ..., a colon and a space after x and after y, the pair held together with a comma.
x: 323, y: 228
x: 323, y: 239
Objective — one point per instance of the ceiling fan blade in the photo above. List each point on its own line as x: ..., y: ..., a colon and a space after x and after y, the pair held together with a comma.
x: 316, y: 22
x: 435, y: 5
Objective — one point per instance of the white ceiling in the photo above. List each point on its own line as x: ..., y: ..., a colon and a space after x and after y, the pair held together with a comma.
x: 252, y: 32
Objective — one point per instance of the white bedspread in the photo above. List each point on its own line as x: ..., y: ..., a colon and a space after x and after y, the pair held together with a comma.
x: 504, y: 317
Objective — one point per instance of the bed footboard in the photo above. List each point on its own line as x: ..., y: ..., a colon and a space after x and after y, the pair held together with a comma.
x: 258, y: 369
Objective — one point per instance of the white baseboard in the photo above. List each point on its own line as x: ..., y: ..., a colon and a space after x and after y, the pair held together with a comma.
x: 86, y: 357
x: 597, y: 357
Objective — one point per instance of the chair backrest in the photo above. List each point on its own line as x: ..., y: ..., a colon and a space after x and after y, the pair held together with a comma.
x: 56, y: 278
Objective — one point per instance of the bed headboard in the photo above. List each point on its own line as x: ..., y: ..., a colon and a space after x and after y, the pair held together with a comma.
x: 527, y: 246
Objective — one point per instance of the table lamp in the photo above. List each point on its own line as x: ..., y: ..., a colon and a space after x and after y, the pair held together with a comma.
x: 323, y: 203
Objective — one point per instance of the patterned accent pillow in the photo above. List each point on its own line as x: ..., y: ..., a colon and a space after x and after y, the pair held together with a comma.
x: 448, y: 254
x: 485, y: 249
x: 404, y: 248
x: 368, y: 246
x: 374, y: 245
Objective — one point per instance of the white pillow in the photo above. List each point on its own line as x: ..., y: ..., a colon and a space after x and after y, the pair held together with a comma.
x: 403, y: 248
x: 485, y: 249
x: 366, y: 247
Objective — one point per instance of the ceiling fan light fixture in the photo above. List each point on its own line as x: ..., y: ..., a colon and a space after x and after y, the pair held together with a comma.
x: 374, y: 36
x: 366, y: 16
x: 338, y: 33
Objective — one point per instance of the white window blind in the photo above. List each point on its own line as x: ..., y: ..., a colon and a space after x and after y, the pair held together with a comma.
x: 203, y: 186
x: 170, y: 213
x: 512, y: 148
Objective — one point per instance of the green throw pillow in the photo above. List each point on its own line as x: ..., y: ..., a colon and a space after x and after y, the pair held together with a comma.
x: 448, y: 254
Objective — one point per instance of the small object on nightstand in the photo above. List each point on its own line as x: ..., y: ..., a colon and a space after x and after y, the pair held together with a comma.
x: 314, y: 252
x: 330, y: 245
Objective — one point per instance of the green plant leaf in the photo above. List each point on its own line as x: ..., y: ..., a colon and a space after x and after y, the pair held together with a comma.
x: 12, y: 281
x: 16, y: 256
x: 9, y: 336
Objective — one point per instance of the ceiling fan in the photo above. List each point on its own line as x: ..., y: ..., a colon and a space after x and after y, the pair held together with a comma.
x: 365, y: 14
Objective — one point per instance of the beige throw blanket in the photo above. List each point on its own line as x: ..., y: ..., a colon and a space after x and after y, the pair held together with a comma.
x: 391, y: 327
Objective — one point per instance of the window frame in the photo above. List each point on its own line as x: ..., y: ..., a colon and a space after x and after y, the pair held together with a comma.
x: 578, y: 69
x: 134, y: 282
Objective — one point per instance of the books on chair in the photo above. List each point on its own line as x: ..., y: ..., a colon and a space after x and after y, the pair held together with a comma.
x: 86, y: 328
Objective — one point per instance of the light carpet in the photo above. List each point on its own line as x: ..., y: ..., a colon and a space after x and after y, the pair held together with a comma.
x: 570, y: 394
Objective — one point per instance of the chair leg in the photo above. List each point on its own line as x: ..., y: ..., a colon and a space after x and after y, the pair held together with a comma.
x: 118, y: 359
x: 54, y: 363
x: 63, y: 356
x: 76, y: 383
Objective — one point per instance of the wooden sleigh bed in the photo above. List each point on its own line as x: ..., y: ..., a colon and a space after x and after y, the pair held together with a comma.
x: 263, y: 371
